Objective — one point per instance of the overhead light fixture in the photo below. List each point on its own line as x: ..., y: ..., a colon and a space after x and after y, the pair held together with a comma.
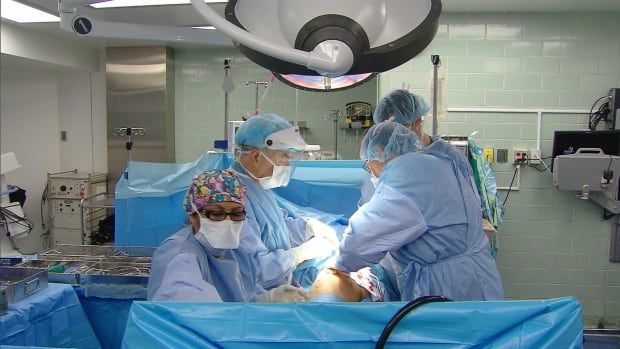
x: 323, y: 83
x: 328, y: 38
x: 20, y: 13
x: 136, y: 3
x: 206, y: 27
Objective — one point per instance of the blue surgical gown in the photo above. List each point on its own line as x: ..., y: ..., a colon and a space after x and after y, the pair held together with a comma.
x: 270, y: 232
x: 424, y: 225
x: 185, y: 270
x: 437, y: 145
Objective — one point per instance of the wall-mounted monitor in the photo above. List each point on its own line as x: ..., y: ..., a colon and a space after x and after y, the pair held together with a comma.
x: 568, y: 142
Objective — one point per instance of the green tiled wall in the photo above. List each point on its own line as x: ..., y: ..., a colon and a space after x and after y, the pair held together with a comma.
x: 199, y: 102
x: 552, y: 244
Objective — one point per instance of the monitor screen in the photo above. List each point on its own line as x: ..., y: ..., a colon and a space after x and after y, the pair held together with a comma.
x: 568, y: 142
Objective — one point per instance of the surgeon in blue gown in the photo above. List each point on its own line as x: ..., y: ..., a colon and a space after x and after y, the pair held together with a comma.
x: 266, y: 147
x: 408, y: 109
x: 423, y: 222
x: 204, y: 261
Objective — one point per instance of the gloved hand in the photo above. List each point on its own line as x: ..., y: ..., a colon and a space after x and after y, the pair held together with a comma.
x: 323, y: 230
x: 317, y: 247
x: 283, y: 294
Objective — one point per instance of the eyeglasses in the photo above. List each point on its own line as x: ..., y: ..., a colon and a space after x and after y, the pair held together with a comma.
x: 366, y: 166
x: 236, y: 216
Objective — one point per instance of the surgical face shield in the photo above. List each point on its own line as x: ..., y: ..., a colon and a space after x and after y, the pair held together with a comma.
x: 366, y: 167
x: 282, y: 157
x: 282, y: 163
x: 287, y: 139
x: 281, y: 174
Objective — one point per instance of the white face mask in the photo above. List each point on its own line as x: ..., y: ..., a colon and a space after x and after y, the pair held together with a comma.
x: 374, y: 179
x: 223, y: 235
x: 280, y: 176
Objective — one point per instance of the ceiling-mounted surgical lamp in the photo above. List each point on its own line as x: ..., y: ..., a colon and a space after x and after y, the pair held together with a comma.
x: 327, y: 37
x: 297, y: 40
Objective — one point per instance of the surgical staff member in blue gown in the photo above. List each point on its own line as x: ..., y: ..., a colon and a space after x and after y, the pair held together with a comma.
x: 424, y: 218
x: 266, y: 146
x: 408, y: 109
x: 203, y: 261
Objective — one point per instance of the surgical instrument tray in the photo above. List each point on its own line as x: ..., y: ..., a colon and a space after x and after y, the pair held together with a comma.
x: 22, y: 282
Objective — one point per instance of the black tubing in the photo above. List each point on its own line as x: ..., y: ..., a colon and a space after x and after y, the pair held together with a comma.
x: 402, y: 312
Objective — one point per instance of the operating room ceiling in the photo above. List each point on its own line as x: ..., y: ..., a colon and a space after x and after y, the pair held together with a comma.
x: 185, y: 15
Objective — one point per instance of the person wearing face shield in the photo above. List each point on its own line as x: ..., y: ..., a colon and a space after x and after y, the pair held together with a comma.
x: 423, y: 223
x: 204, y: 261
x: 408, y: 109
x: 267, y: 147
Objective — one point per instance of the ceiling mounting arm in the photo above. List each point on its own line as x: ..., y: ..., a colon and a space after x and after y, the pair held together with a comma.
x: 332, y: 60
x: 72, y: 20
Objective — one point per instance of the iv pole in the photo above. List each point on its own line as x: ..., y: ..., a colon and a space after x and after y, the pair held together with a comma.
x: 436, y: 62
x: 257, y: 85
x: 128, y: 131
x: 228, y: 86
x: 334, y: 116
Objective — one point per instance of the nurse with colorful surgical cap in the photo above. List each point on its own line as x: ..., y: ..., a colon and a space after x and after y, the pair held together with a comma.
x: 204, y: 260
x: 423, y: 223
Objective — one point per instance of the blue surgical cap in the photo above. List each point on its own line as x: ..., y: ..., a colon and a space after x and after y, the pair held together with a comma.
x: 387, y: 140
x: 254, y: 132
x: 400, y: 106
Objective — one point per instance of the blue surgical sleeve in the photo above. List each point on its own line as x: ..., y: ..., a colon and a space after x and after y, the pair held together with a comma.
x: 387, y: 222
x: 368, y: 189
x: 275, y: 267
x: 183, y: 281
x: 296, y: 229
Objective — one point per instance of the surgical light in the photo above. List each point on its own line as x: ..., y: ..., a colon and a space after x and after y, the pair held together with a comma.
x: 309, y: 38
x: 18, y: 12
x: 326, y: 37
x: 324, y: 83
x: 136, y: 3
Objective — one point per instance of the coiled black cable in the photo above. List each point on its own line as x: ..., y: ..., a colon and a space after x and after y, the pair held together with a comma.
x: 402, y: 312
x: 8, y: 217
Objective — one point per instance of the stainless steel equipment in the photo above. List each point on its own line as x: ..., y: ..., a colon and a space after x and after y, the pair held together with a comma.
x: 460, y: 142
x: 585, y: 171
x: 595, y: 176
x: 88, y: 264
x: 78, y: 251
x: 140, y: 93
x: 92, y: 209
x: 22, y: 282
x: 65, y: 193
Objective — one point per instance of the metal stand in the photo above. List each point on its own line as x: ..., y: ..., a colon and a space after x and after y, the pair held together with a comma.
x: 257, y: 85
x: 228, y: 86
x: 436, y: 63
x: 613, y: 206
x: 334, y: 116
x: 129, y: 131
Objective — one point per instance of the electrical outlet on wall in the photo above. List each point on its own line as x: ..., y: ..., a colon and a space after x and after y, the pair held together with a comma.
x: 488, y: 154
x: 535, y: 157
x: 519, y: 156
